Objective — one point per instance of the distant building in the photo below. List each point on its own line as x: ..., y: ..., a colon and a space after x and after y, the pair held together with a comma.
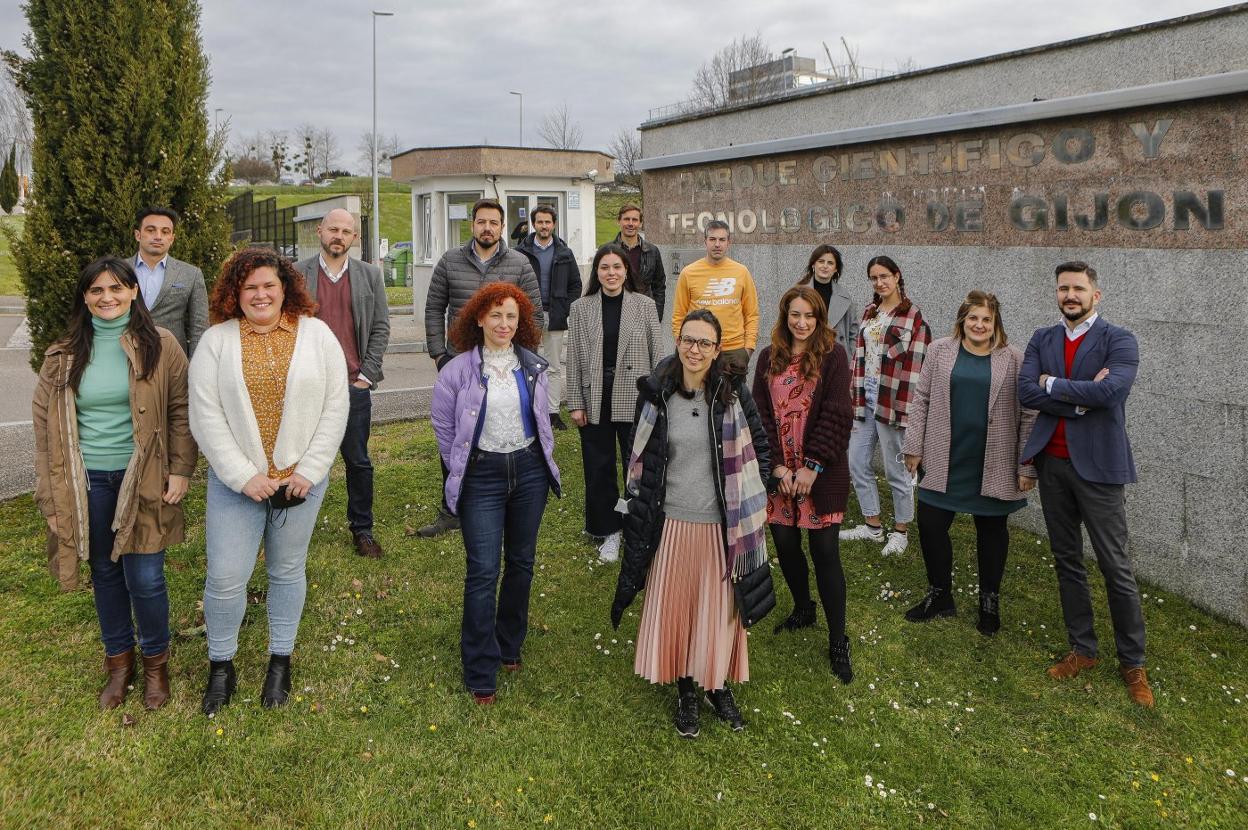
x: 786, y: 72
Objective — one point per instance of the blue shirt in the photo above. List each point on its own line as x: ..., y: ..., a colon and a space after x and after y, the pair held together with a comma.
x: 150, y: 279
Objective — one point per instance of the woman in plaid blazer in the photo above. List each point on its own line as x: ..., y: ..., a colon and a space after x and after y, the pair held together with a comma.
x: 613, y: 340
x: 966, y: 429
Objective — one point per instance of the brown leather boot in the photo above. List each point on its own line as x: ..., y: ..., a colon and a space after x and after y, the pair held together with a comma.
x: 156, y: 680
x: 1070, y: 666
x: 120, y: 668
x: 1138, y: 689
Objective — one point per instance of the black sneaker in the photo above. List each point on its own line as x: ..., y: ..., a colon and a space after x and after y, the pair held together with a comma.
x: 989, y: 614
x: 838, y: 653
x: 444, y: 524
x: 687, y: 715
x: 800, y: 618
x: 557, y: 422
x: 937, y: 603
x: 726, y: 708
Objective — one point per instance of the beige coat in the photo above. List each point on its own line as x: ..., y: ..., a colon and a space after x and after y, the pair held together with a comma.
x: 162, y: 447
x: 1009, y: 424
x: 638, y: 352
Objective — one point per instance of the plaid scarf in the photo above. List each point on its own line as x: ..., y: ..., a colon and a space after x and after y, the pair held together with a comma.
x: 745, y: 496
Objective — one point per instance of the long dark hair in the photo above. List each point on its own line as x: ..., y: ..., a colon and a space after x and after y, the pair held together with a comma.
x: 80, y: 336
x: 593, y: 286
x: 819, y: 344
x: 673, y: 372
x: 814, y: 257
x: 895, y: 270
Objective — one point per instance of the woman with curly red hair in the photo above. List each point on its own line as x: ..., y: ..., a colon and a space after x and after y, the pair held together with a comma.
x: 489, y: 414
x: 266, y: 459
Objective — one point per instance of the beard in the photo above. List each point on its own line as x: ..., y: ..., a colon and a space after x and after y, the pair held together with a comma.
x: 1074, y: 313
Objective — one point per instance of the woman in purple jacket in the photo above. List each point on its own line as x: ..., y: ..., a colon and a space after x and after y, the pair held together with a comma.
x: 489, y: 413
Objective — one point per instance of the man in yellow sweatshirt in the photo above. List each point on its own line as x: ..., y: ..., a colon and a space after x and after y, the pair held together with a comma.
x: 724, y: 287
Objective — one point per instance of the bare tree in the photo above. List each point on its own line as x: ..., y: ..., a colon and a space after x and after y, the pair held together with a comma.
x: 626, y: 147
x: 279, y: 151
x: 387, y: 147
x: 15, y: 124
x: 325, y: 151
x: 713, y: 85
x: 559, y: 130
x: 252, y: 169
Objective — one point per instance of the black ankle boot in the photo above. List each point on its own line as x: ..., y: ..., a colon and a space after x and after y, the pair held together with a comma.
x: 800, y: 618
x: 276, y: 682
x: 838, y: 653
x: 221, y: 683
x: 989, y: 614
x: 937, y: 603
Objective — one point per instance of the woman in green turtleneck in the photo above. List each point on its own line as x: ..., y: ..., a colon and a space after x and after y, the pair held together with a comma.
x: 113, y: 456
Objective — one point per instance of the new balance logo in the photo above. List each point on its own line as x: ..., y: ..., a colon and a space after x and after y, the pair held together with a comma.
x: 721, y: 287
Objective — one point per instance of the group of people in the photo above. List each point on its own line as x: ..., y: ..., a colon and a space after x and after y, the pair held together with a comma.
x: 710, y: 458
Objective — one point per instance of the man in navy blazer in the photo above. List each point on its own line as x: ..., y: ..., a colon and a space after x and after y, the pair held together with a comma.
x: 1078, y: 375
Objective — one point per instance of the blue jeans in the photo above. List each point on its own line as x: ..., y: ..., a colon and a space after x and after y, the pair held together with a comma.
x: 500, y: 511
x: 235, y: 526
x: 134, y: 583
x: 359, y: 466
x: 863, y: 437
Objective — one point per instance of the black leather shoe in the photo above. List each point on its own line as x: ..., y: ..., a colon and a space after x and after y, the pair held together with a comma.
x: 800, y: 618
x: 838, y: 653
x: 989, y: 614
x: 221, y: 683
x: 726, y: 708
x: 445, y: 523
x: 276, y: 682
x: 937, y: 603
x: 687, y: 714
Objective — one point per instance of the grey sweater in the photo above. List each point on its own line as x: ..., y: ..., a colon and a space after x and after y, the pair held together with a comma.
x: 691, y: 470
x: 458, y: 275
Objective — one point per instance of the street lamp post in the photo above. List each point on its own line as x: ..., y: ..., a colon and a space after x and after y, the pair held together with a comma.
x: 521, y: 96
x: 376, y: 223
x: 216, y: 117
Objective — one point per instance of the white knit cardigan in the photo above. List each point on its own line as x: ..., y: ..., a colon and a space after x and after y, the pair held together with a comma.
x: 314, y: 415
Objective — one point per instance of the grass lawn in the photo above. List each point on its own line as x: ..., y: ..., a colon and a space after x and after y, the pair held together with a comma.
x: 399, y: 294
x: 940, y: 728
x: 396, y: 207
x: 10, y: 282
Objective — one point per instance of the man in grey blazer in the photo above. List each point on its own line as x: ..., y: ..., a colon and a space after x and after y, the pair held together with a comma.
x: 351, y: 300
x: 173, y: 290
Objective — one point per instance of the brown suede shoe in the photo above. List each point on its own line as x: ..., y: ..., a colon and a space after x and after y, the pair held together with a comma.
x: 1070, y: 666
x: 366, y: 546
x: 1138, y: 689
x: 120, y: 668
x: 156, y: 680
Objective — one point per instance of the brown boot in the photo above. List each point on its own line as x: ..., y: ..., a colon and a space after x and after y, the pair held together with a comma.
x: 120, y: 668
x: 156, y: 680
x: 1137, y: 685
x: 1070, y: 666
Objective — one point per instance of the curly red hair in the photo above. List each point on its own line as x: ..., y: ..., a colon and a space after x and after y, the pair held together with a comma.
x: 466, y: 334
x: 224, y: 303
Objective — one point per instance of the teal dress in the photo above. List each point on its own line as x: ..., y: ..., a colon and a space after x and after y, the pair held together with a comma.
x: 969, y: 387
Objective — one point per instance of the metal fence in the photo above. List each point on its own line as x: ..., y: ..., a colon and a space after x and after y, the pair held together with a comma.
x: 262, y: 222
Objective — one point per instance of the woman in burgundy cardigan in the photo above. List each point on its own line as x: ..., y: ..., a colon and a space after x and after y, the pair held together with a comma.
x: 801, y: 387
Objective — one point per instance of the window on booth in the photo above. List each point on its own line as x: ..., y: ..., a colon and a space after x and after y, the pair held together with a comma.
x: 424, y: 232
x: 459, y: 218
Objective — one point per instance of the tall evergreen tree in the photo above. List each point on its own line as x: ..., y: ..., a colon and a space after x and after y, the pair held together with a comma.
x: 117, y: 93
x: 8, y: 181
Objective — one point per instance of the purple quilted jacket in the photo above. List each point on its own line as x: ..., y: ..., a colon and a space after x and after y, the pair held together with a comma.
x: 459, y: 406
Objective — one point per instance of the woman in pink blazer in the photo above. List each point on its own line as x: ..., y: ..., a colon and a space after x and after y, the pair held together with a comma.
x: 963, y: 440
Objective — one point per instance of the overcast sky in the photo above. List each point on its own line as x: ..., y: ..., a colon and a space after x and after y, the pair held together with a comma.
x: 445, y: 68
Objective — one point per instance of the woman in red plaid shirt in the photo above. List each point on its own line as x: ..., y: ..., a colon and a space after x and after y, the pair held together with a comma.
x: 892, y: 340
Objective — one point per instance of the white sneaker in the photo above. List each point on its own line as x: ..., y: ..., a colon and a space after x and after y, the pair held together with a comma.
x: 863, y: 531
x: 896, y: 545
x: 609, y: 550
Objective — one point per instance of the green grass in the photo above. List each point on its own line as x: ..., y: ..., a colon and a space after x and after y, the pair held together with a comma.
x: 396, y: 201
x: 399, y: 294
x: 10, y: 281
x: 958, y: 730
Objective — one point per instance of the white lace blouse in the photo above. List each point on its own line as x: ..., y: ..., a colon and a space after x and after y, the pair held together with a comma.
x: 503, y: 430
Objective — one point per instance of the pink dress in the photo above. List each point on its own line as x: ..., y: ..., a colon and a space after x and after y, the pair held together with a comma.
x: 791, y: 397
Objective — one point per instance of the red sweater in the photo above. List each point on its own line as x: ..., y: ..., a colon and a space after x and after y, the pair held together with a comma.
x: 334, y: 299
x: 1057, y: 444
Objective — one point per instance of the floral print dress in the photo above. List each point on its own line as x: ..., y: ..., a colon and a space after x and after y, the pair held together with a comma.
x: 791, y: 398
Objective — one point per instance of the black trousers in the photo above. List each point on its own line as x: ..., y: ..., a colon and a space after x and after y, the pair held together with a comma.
x: 1070, y: 502
x: 599, y: 443
x: 825, y: 552
x: 992, y: 542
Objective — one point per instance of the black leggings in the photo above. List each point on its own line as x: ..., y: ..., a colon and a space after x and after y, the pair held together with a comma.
x: 829, y: 575
x: 992, y: 541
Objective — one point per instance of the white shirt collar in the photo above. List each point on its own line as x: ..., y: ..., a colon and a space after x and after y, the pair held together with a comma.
x: 538, y: 242
x: 1081, y: 329
x: 346, y: 263
x: 139, y: 261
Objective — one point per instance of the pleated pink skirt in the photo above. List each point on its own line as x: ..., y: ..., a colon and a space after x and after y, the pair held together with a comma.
x: 689, y: 622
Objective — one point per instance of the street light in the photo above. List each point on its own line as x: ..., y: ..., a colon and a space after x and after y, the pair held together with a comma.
x: 216, y: 117
x: 376, y: 223
x: 521, y: 94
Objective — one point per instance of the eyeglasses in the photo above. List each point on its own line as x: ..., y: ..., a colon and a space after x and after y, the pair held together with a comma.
x: 691, y: 342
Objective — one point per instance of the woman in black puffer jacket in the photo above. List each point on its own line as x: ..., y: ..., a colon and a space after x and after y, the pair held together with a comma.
x: 696, y: 508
